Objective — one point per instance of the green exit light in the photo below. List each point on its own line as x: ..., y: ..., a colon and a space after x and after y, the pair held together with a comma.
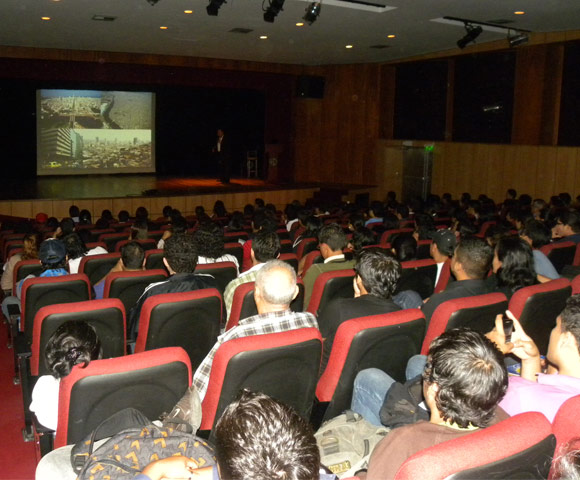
x: 429, y: 148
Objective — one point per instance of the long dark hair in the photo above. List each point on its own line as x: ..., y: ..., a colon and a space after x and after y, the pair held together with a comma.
x: 517, y: 268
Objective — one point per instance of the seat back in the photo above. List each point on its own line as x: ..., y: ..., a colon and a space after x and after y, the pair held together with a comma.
x: 22, y: 269
x: 576, y: 284
x: 235, y: 236
x: 566, y: 423
x: 283, y: 365
x: 537, y: 307
x: 42, y: 291
x: 444, y: 277
x: 244, y: 305
x: 190, y: 320
x: 154, y: 259
x: 107, y: 316
x: 331, y: 285
x: 111, y: 239
x: 291, y: 259
x: 519, y: 447
x: 418, y: 275
x: 477, y: 313
x: 223, y: 272
x: 306, y: 246
x: 384, y: 341
x: 310, y: 259
x: 560, y: 254
x: 387, y: 234
x: 424, y: 249
x: 129, y: 286
x: 97, y: 266
x: 236, y: 250
x: 151, y: 382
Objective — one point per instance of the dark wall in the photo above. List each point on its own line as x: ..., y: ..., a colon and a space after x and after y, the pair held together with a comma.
x: 191, y: 104
x: 420, y: 100
x: 570, y: 105
x: 483, y: 97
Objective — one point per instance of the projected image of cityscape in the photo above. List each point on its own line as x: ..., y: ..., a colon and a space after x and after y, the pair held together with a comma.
x: 94, y: 131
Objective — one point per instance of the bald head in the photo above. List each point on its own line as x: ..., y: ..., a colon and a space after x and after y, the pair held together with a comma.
x: 275, y: 286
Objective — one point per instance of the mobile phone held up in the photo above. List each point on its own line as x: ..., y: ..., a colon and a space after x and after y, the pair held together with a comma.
x: 508, y: 327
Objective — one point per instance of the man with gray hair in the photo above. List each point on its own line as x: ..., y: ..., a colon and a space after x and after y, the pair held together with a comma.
x: 274, y: 290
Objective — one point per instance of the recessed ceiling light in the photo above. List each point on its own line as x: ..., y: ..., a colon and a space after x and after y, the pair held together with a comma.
x: 263, y: 37
x: 300, y: 24
x: 391, y: 36
x: 163, y: 28
x: 45, y: 18
x: 188, y: 11
x: 519, y: 12
x: 348, y: 46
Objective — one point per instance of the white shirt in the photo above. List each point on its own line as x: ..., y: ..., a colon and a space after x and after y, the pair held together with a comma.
x: 334, y: 257
x: 45, y: 401
x: 439, y: 268
x: 73, y: 265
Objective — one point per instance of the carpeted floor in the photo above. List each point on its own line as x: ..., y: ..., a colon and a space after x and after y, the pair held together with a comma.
x: 17, y: 459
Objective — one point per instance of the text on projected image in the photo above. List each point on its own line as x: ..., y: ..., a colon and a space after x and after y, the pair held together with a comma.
x: 89, y: 131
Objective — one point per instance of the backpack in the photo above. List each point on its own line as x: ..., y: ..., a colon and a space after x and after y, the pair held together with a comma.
x: 401, y: 404
x: 346, y: 443
x: 128, y: 452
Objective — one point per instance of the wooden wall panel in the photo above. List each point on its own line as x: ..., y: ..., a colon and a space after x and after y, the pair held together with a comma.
x: 335, y: 137
x: 540, y: 171
x: 186, y: 204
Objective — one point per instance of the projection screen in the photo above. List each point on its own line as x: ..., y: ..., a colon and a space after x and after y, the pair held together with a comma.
x: 94, y: 132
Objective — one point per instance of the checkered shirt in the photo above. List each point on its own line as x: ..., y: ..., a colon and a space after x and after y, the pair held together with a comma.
x: 261, y: 324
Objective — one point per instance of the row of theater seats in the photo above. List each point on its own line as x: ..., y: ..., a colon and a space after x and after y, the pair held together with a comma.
x: 286, y: 365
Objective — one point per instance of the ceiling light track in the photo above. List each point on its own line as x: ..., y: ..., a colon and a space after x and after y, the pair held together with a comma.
x: 474, y: 29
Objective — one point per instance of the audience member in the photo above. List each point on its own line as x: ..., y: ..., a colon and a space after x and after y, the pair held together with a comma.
x: 513, y: 267
x: 265, y: 247
x: 74, y: 213
x: 29, y: 252
x: 274, y: 291
x: 76, y: 250
x: 178, y: 225
x: 470, y: 264
x: 441, y: 249
x: 74, y: 342
x: 132, y: 260
x: 535, y: 391
x: 537, y: 234
x: 567, y: 228
x: 376, y: 213
x: 180, y: 259
x: 463, y: 381
x: 374, y: 283
x: 332, y: 242
x: 208, y: 240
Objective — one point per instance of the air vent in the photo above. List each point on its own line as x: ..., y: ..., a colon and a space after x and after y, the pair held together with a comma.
x: 379, y: 47
x: 103, y: 18
x: 500, y: 21
x: 241, y: 30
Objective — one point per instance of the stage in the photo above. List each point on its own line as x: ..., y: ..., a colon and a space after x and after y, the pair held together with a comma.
x: 54, y: 194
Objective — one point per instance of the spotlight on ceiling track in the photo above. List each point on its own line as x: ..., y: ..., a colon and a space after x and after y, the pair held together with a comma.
x: 518, y: 39
x: 470, y: 36
x: 273, y: 10
x: 214, y: 6
x: 152, y: 2
x: 312, y: 12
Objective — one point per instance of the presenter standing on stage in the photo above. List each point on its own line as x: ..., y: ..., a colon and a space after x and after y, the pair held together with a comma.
x: 222, y: 152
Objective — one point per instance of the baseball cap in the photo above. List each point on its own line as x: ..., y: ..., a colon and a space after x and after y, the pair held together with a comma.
x: 445, y: 241
x: 41, y: 217
x: 51, y: 252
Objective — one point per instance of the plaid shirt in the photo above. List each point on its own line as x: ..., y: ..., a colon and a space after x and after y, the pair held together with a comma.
x: 273, y: 322
x: 248, y: 276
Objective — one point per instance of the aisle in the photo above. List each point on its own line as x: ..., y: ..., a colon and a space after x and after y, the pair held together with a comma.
x: 17, y: 459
